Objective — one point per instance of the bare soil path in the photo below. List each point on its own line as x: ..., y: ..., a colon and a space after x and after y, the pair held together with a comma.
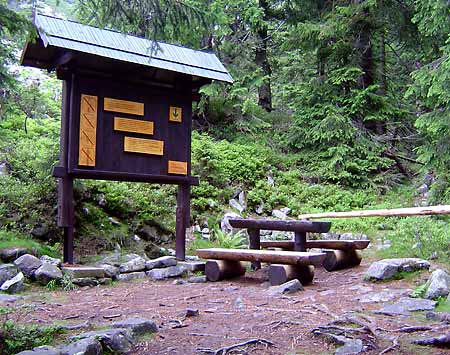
x: 235, y: 311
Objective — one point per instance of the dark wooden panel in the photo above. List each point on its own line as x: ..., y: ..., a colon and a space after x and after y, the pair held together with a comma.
x: 292, y: 226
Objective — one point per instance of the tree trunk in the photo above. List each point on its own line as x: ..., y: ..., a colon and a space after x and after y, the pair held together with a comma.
x: 262, y: 61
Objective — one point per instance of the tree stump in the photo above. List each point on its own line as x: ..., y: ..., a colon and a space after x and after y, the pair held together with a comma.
x: 216, y: 270
x: 341, y: 259
x: 279, y: 274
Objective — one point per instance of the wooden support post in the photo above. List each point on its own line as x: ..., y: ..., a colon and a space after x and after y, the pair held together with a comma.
x: 255, y: 243
x: 216, y: 270
x: 279, y: 274
x: 300, y: 241
x: 341, y: 259
x: 182, y: 220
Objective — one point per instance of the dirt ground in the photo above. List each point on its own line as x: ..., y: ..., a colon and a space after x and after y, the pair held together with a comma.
x: 231, y: 312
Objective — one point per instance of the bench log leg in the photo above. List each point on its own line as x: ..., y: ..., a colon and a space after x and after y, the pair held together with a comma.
x: 300, y: 241
x: 279, y: 274
x: 255, y: 243
x: 341, y: 259
x: 216, y: 270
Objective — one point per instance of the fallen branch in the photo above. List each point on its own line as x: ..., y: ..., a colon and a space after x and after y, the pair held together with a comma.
x: 408, y: 329
x: 225, y: 350
x: 395, y: 345
x: 442, y: 341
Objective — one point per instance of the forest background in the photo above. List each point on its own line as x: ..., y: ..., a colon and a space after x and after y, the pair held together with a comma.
x: 336, y: 106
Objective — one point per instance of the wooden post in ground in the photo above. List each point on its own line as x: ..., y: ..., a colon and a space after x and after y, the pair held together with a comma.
x: 300, y: 241
x: 255, y: 243
x: 182, y: 220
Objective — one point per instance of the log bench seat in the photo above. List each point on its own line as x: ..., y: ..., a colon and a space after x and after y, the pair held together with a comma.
x: 341, y: 254
x: 285, y: 265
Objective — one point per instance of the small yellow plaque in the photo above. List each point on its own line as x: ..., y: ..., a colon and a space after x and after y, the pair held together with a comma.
x: 144, y: 146
x: 88, y: 130
x: 177, y: 167
x: 123, y: 106
x: 175, y: 114
x: 135, y: 126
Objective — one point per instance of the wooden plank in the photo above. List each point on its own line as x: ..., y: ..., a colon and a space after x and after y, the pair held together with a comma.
x: 144, y: 146
x: 266, y: 256
x: 325, y: 244
x: 394, y: 212
x: 123, y: 106
x: 88, y: 130
x: 175, y: 114
x: 177, y: 167
x: 135, y: 126
x: 288, y: 226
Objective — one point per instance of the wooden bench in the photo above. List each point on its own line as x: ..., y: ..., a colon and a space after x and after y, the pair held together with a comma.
x: 226, y: 263
x: 340, y: 253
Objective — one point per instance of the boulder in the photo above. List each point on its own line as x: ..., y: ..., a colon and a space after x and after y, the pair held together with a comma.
x: 197, y: 279
x: 163, y: 261
x: 7, y: 272
x: 137, y: 325
x: 236, y: 205
x: 14, y: 285
x: 350, y: 347
x: 405, y: 305
x: 438, y: 285
x: 46, y: 273
x: 225, y: 225
x: 116, y: 259
x: 49, y: 260
x: 41, y: 350
x: 279, y: 214
x: 288, y: 287
x: 119, y: 339
x: 131, y: 276
x: 387, y: 268
x: 10, y: 254
x: 171, y: 271
x: 88, y: 346
x: 28, y: 264
x: 136, y: 264
x: 110, y: 270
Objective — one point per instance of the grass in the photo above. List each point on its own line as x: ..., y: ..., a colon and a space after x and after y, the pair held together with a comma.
x: 443, y: 305
x: 12, y: 240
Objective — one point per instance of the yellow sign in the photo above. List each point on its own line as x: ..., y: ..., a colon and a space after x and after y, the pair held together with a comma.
x: 144, y: 146
x: 175, y: 114
x: 88, y: 130
x: 123, y: 106
x: 178, y: 167
x: 134, y: 126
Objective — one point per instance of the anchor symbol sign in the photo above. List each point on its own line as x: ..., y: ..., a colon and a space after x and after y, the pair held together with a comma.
x: 175, y: 114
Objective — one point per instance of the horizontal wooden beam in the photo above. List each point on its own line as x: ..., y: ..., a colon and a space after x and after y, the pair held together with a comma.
x: 324, y: 244
x: 288, y: 226
x: 394, y: 212
x: 265, y: 256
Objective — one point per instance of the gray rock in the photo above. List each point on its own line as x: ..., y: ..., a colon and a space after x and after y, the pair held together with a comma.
x: 88, y: 346
x: 383, y: 296
x: 136, y: 264
x: 279, y: 214
x: 49, y: 260
x: 171, y: 271
x: 353, y: 236
x: 288, y: 287
x: 197, y: 279
x: 260, y: 209
x: 85, y: 281
x: 438, y: 284
x: 405, y: 305
x: 110, y: 270
x: 178, y: 282
x: 8, y: 298
x: 14, y: 285
x: 4, y: 170
x: 192, y: 258
x: 192, y: 266
x: 41, y: 350
x: 10, y: 254
x: 351, y: 347
x: 131, y: 276
x: 76, y: 272
x: 137, y: 325
x: 113, y: 221
x: 206, y: 234
x: 7, y: 272
x: 225, y: 225
x: 163, y: 261
x: 387, y: 268
x: 28, y: 264
x: 39, y: 231
x: 46, y: 273
x: 117, y: 259
x: 235, y: 204
x: 119, y: 339
x: 76, y: 326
